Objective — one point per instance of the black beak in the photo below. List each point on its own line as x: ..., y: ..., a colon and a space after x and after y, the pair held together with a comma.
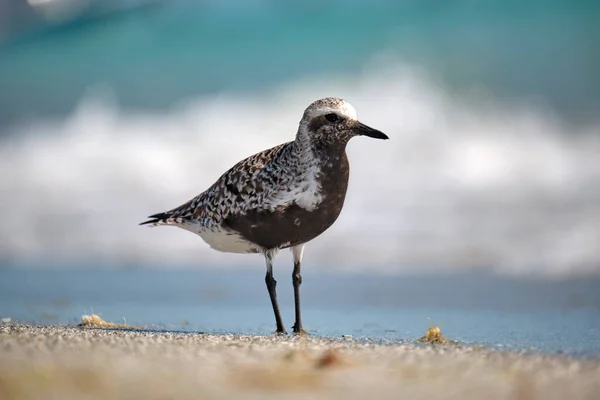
x: 364, y: 130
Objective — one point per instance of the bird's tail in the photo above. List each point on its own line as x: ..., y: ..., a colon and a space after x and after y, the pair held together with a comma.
x: 176, y: 216
x: 164, y: 218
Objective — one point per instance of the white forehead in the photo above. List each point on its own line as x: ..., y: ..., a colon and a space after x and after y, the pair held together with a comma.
x: 341, y: 107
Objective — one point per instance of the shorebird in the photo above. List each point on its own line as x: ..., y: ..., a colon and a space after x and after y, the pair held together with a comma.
x: 279, y: 198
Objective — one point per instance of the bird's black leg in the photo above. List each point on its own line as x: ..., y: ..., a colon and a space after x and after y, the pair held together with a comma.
x: 297, y: 281
x: 271, y: 285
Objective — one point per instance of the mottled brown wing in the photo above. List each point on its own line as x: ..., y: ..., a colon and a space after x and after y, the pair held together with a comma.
x: 251, y: 184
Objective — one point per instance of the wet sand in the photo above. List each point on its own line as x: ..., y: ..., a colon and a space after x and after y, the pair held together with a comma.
x: 59, y: 362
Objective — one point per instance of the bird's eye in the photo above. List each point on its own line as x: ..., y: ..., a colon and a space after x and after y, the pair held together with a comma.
x: 332, y: 117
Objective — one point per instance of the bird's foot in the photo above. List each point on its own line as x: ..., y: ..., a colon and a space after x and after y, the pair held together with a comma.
x: 298, y: 330
x: 280, y: 332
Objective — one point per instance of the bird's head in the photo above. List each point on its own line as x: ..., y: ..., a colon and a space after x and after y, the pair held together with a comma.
x: 333, y: 121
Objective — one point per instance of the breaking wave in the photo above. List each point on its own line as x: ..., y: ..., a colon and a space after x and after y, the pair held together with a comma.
x: 464, y: 182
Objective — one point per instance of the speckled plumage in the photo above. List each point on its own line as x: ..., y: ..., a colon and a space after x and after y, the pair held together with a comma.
x: 267, y: 182
x: 282, y: 197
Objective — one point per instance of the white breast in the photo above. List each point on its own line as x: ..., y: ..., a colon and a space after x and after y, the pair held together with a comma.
x: 305, y: 192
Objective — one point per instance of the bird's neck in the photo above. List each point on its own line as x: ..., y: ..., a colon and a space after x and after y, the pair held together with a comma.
x: 327, y: 165
x: 318, y: 151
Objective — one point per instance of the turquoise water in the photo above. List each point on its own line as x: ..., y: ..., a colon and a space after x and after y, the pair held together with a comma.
x: 157, y: 56
x: 522, y: 314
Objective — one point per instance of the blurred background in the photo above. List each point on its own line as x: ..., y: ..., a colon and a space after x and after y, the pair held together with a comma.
x: 114, y: 110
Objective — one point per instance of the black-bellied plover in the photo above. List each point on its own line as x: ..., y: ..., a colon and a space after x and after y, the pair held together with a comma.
x: 279, y: 198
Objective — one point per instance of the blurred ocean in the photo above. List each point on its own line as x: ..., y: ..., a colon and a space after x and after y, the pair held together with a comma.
x: 492, y: 109
x: 560, y: 317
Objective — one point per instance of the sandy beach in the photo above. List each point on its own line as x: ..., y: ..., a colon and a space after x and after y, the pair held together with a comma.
x: 63, y: 362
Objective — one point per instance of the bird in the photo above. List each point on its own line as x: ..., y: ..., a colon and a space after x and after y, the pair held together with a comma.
x: 280, y: 198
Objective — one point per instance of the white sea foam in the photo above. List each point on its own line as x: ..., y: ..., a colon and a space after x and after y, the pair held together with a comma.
x: 461, y: 184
